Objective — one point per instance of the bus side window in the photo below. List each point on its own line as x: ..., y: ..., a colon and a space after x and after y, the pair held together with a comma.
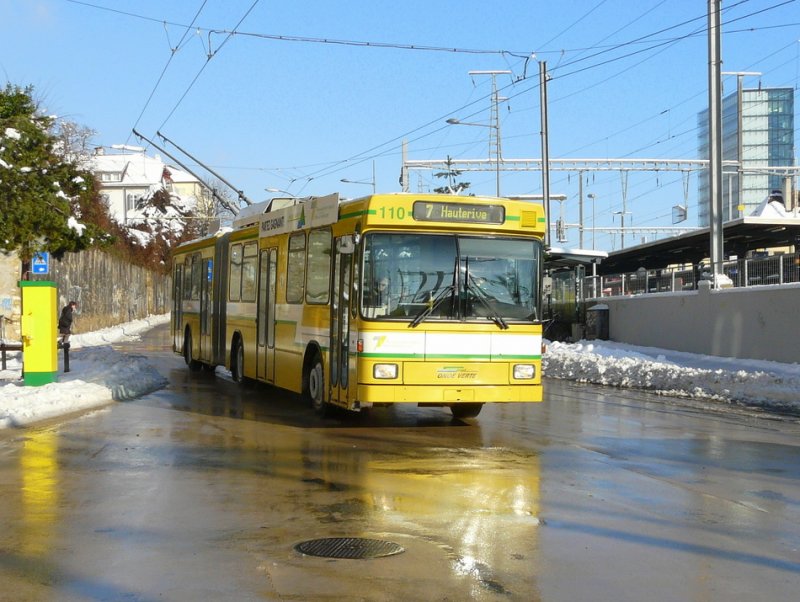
x: 235, y: 290
x: 187, y: 278
x: 296, y: 268
x: 318, y: 282
x: 196, y: 266
x: 249, y: 266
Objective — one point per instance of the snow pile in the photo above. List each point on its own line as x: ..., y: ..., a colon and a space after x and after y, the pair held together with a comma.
x: 753, y: 382
x: 98, y: 375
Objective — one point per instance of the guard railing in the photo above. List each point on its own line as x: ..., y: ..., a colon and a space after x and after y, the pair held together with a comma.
x: 753, y: 271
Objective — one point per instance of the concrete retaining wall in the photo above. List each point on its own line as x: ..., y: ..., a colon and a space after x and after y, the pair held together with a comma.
x: 749, y: 323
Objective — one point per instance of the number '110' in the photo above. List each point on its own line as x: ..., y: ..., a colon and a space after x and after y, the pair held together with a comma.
x: 393, y: 212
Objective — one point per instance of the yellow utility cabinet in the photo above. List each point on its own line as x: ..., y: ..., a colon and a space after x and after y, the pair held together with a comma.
x: 39, y: 331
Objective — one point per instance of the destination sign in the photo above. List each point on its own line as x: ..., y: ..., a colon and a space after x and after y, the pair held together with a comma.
x: 464, y: 213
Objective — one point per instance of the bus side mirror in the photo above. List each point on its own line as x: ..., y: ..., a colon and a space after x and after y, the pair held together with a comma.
x: 346, y: 245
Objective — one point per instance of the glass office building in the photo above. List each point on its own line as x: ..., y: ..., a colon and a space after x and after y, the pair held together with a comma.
x: 762, y: 137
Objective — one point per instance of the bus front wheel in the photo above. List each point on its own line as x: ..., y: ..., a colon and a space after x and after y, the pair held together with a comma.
x: 315, y: 385
x: 466, y: 410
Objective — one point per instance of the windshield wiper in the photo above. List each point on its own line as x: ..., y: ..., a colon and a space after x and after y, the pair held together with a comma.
x: 433, y: 303
x: 481, y: 296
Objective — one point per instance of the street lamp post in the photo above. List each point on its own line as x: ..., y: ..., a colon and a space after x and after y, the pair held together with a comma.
x: 622, y: 215
x: 286, y: 192
x: 592, y: 196
x: 364, y: 182
x: 495, y: 126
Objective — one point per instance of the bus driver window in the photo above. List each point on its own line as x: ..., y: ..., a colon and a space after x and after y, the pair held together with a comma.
x: 380, y: 301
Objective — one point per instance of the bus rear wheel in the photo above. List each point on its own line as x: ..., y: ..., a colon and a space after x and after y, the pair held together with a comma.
x: 466, y: 410
x: 193, y: 364
x: 314, y: 389
x: 237, y: 362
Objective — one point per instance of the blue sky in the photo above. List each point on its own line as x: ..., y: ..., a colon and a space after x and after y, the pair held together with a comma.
x: 299, y: 114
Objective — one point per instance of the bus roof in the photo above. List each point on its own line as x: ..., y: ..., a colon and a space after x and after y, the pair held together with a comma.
x: 397, y: 209
x: 427, y: 211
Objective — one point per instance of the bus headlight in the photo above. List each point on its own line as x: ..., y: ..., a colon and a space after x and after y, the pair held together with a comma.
x: 524, y: 371
x: 384, y: 371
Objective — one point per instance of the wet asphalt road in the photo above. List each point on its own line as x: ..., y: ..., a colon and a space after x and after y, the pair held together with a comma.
x: 202, y: 490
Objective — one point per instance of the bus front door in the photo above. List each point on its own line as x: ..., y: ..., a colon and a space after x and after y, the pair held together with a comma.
x: 339, y: 365
x: 265, y: 362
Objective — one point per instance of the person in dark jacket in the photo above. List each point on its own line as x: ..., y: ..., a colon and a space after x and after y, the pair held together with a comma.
x: 65, y: 321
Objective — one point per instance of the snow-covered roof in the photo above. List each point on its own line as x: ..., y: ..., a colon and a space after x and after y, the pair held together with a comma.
x: 137, y: 169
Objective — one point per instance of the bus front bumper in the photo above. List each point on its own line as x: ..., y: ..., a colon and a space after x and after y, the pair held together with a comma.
x: 430, y: 394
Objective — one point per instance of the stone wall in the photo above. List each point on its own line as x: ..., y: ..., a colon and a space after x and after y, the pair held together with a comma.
x: 108, y: 290
x: 9, y: 297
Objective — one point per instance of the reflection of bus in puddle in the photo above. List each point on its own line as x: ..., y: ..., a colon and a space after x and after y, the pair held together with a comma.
x: 431, y: 482
x: 458, y: 481
x: 484, y: 501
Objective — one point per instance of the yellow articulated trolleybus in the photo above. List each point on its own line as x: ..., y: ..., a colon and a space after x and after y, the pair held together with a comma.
x: 393, y: 298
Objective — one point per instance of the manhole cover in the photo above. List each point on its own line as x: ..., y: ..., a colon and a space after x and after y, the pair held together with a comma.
x: 348, y: 547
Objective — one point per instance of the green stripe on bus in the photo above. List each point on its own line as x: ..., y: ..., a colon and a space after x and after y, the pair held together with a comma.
x: 392, y: 355
x: 454, y: 356
x: 516, y: 218
x: 357, y: 214
x: 444, y: 356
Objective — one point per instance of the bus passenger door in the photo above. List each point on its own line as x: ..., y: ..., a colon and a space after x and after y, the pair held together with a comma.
x: 339, y: 359
x: 207, y: 276
x: 177, y: 309
x: 265, y: 362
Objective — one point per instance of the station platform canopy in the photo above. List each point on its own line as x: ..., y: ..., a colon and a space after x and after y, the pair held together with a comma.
x: 560, y: 257
x: 749, y: 233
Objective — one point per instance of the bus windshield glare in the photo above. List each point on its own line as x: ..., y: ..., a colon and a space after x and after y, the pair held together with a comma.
x: 450, y: 277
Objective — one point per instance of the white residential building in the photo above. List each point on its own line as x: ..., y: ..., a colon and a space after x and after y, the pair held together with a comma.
x: 127, y: 175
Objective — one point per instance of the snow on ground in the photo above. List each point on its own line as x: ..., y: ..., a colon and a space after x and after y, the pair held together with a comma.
x: 771, y: 385
x: 100, y: 375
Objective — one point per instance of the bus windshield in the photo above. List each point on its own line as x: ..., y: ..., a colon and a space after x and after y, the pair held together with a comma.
x: 450, y: 277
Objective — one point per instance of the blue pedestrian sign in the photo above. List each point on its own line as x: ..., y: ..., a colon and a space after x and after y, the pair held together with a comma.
x: 40, y: 264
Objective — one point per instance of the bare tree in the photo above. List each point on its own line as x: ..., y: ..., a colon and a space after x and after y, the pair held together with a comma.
x: 217, y: 201
x: 73, y: 141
